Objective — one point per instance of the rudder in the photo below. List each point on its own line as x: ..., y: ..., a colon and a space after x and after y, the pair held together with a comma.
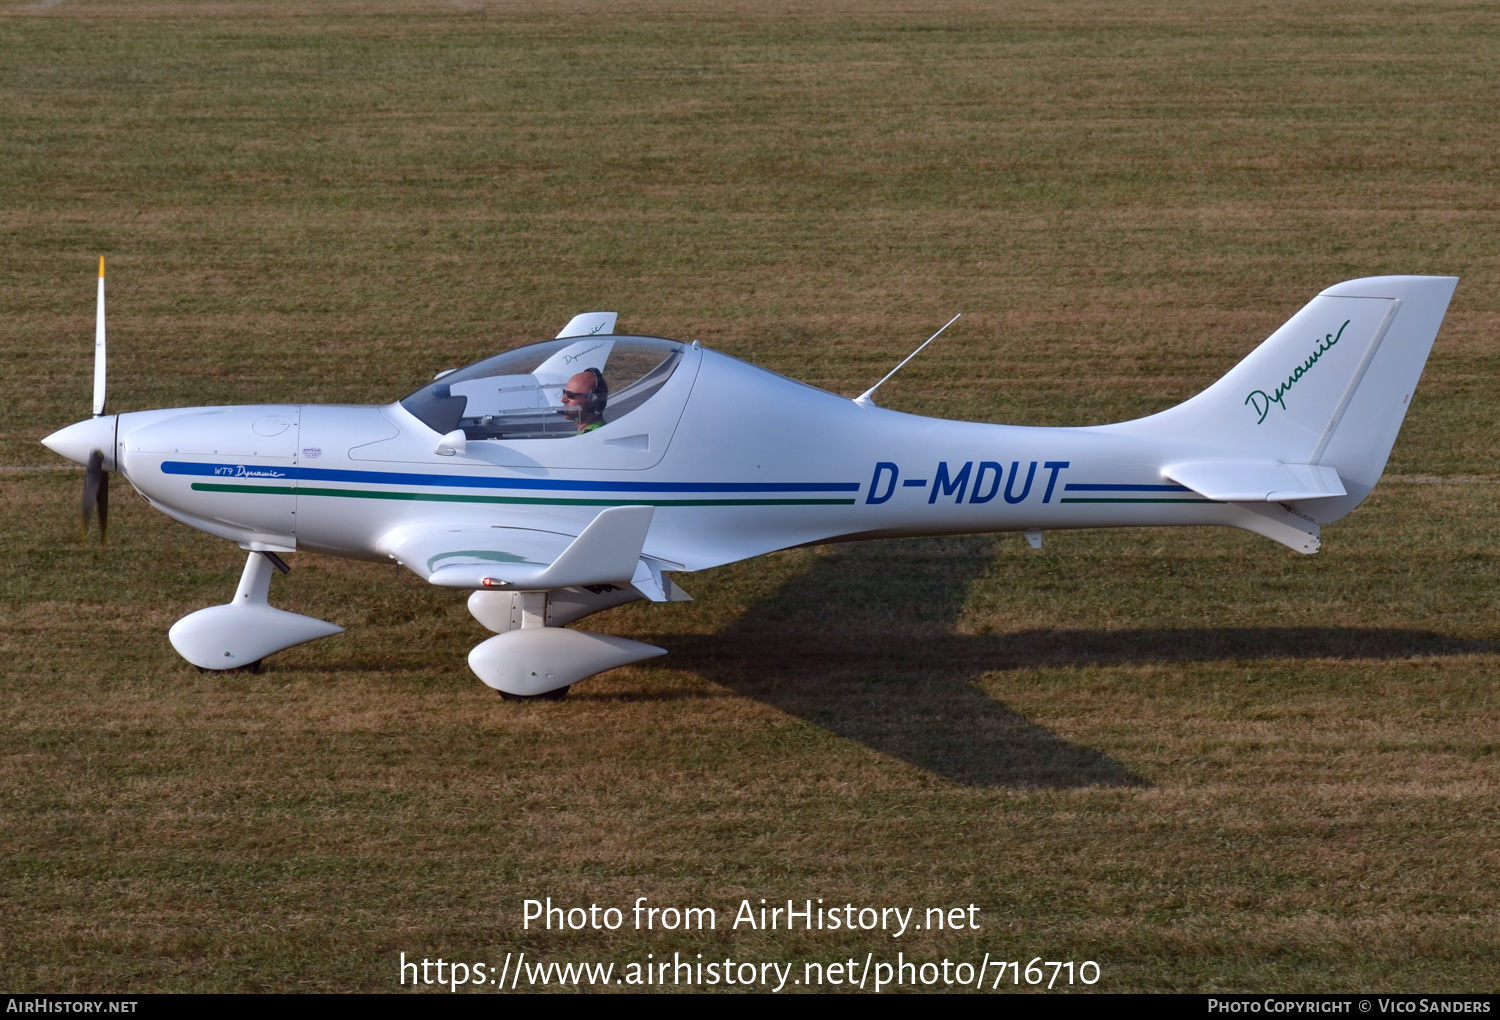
x: 1357, y: 441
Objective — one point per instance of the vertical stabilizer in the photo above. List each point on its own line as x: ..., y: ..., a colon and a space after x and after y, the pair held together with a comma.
x: 1328, y: 390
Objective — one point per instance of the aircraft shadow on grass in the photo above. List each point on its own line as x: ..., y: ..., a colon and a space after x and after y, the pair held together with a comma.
x: 862, y: 645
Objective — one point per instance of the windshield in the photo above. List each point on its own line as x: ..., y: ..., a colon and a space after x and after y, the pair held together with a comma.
x: 520, y: 394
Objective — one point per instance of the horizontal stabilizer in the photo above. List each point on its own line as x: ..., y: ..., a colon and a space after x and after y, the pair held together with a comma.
x: 1257, y: 481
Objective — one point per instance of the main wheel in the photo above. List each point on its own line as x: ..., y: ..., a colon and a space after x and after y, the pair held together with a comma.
x: 555, y: 695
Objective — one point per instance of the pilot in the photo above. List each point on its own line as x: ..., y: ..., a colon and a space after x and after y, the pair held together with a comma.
x: 584, y: 398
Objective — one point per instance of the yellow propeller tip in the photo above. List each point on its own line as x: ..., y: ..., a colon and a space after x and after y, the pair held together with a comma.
x: 101, y: 267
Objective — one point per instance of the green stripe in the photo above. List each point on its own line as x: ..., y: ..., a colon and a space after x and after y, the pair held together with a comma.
x: 1112, y: 499
x: 270, y: 489
x: 433, y: 497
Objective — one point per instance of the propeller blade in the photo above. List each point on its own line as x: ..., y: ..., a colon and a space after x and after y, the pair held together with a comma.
x: 103, y: 505
x: 93, y: 482
x: 99, y: 346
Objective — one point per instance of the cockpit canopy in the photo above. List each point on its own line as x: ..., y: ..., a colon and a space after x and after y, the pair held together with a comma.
x: 518, y: 394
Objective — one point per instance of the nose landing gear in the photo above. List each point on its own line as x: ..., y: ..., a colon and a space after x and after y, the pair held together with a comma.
x: 237, y: 636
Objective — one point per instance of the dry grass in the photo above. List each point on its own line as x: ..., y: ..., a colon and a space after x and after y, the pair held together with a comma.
x: 1193, y: 757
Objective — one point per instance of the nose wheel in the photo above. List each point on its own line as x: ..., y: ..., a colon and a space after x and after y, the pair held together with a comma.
x: 557, y: 695
x: 249, y: 667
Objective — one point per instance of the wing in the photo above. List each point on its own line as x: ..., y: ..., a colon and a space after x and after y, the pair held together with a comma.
x: 501, y: 558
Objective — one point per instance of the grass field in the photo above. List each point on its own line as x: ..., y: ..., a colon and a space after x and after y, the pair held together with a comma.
x: 1191, y: 756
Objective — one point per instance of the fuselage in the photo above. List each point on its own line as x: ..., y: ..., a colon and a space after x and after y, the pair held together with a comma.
x: 738, y: 461
x: 560, y: 479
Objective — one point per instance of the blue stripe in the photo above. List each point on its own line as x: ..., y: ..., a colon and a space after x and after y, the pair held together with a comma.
x: 1073, y: 486
x: 177, y: 467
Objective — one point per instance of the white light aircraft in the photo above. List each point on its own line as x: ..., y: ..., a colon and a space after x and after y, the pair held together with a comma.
x: 518, y: 479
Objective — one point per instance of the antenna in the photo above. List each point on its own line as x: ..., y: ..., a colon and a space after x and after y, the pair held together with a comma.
x: 867, y: 397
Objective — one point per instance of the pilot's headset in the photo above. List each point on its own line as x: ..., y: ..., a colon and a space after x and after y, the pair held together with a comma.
x: 594, y: 401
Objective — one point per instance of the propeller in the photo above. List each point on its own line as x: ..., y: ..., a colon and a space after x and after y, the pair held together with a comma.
x: 95, y: 479
x: 91, y: 442
x: 95, y: 493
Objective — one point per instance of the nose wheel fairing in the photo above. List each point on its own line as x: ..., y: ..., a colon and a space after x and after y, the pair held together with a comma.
x: 246, y: 630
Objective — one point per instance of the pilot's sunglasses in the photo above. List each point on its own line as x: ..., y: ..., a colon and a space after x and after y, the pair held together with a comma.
x: 570, y: 395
